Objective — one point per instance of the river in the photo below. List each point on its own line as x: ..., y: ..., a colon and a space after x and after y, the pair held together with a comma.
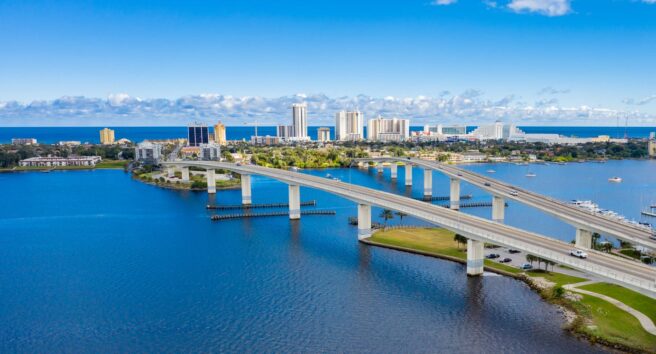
x: 94, y: 261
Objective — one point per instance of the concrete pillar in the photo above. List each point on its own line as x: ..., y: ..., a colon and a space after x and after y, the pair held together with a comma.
x: 294, y: 202
x: 454, y: 195
x: 379, y: 168
x: 170, y: 172
x: 246, y: 189
x: 393, y: 170
x: 428, y: 183
x: 211, y: 182
x: 408, y: 174
x: 475, y: 257
x: 185, y: 174
x: 583, y: 238
x: 364, y: 221
x: 498, y: 208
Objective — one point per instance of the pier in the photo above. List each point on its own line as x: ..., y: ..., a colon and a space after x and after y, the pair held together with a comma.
x: 274, y: 213
x: 443, y: 198
x: 256, y: 206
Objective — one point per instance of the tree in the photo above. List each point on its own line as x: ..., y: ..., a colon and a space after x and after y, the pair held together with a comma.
x: 595, y: 239
x: 530, y: 258
x: 401, y: 215
x: 386, y: 214
x: 460, y: 239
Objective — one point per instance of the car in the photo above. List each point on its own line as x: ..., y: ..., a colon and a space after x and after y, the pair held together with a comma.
x: 513, y: 193
x: 238, y: 164
x: 492, y: 256
x: 487, y: 184
x: 513, y: 251
x: 459, y: 174
x: 408, y: 158
x: 578, y: 254
x: 526, y: 266
x: 505, y: 260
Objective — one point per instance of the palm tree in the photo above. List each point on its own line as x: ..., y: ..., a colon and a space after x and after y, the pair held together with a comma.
x: 401, y: 214
x: 595, y: 237
x: 386, y: 214
x: 460, y: 239
x: 530, y: 258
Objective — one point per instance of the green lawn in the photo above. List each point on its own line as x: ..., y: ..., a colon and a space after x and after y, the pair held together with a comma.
x: 633, y: 299
x: 613, y: 324
x: 112, y: 164
x: 558, y: 278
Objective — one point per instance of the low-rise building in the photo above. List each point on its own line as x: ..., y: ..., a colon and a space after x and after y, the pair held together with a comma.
x: 69, y: 143
x: 265, y: 140
x: 190, y: 151
x: 23, y: 141
x: 652, y: 145
x: 148, y: 152
x: 51, y: 161
x: 323, y: 134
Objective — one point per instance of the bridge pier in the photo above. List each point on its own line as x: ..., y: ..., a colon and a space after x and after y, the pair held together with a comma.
x: 394, y: 170
x: 475, y: 257
x: 294, y: 202
x: 364, y: 221
x: 454, y: 195
x: 583, y: 238
x: 408, y: 175
x: 498, y: 208
x: 428, y: 183
x: 379, y: 168
x: 185, y: 173
x: 211, y: 182
x: 170, y: 172
x: 246, y: 189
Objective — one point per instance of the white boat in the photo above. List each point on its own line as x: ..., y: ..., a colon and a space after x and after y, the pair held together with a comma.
x: 490, y: 171
x: 531, y: 174
x: 615, y: 179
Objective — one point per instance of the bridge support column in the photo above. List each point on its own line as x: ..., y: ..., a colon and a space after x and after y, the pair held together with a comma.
x: 364, y: 221
x: 408, y: 175
x: 211, y: 182
x: 170, y: 172
x: 583, y: 238
x: 246, y: 189
x: 185, y: 173
x: 428, y: 183
x: 294, y: 202
x: 454, y: 195
x: 394, y: 170
x: 498, y: 208
x: 379, y: 168
x: 475, y: 257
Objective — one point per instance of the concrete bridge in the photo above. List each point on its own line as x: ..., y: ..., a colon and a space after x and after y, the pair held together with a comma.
x: 585, y: 222
x: 477, y: 230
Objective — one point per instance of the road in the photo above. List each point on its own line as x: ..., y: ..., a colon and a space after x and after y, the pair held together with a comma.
x: 617, y: 269
x: 578, y: 217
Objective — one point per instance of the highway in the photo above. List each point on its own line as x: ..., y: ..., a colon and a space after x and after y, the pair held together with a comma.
x: 616, y: 269
x: 571, y: 214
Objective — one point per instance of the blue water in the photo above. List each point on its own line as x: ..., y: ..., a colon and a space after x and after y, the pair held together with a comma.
x: 51, y: 135
x: 94, y: 261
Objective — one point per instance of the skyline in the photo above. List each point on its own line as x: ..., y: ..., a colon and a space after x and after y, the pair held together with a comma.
x: 480, y: 60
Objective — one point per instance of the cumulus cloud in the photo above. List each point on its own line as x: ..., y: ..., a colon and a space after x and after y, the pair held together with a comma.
x: 552, y: 91
x: 444, y: 2
x: 470, y: 106
x: 543, y: 7
x: 642, y: 101
x: 649, y: 1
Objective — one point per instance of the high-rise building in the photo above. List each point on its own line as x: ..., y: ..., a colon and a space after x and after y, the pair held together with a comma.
x: 210, y: 152
x: 497, y: 131
x: 107, y: 136
x: 220, y: 133
x: 299, y: 120
x: 197, y: 134
x: 394, y: 129
x: 148, y: 152
x: 323, y: 134
x: 652, y: 145
x: 285, y: 131
x: 349, y: 125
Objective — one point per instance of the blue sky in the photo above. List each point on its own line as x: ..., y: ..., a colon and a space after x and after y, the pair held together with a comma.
x: 566, y: 54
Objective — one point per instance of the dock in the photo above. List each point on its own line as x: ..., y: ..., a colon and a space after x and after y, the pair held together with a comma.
x: 257, y: 206
x: 443, y: 198
x: 275, y: 213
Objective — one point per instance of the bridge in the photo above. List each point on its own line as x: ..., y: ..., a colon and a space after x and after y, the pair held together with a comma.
x: 477, y: 230
x: 585, y: 222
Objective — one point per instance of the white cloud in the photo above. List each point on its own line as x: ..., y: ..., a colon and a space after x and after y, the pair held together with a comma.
x: 444, y: 2
x: 642, y: 101
x: 543, y: 7
x: 552, y: 91
x: 649, y: 1
x: 470, y: 106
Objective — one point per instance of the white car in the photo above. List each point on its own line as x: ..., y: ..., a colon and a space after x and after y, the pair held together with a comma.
x: 513, y: 193
x: 578, y: 254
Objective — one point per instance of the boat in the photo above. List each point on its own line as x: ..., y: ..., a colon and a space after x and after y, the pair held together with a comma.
x: 531, y: 174
x: 648, y: 213
x: 329, y: 175
x: 490, y: 171
x: 615, y: 179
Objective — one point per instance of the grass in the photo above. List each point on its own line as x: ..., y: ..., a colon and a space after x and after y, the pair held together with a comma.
x: 632, y: 298
x: 609, y: 323
x: 112, y: 164
x: 434, y: 241
x: 557, y: 278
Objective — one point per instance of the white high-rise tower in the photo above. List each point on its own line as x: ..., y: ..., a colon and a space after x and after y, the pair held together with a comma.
x: 299, y: 120
x: 349, y: 125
